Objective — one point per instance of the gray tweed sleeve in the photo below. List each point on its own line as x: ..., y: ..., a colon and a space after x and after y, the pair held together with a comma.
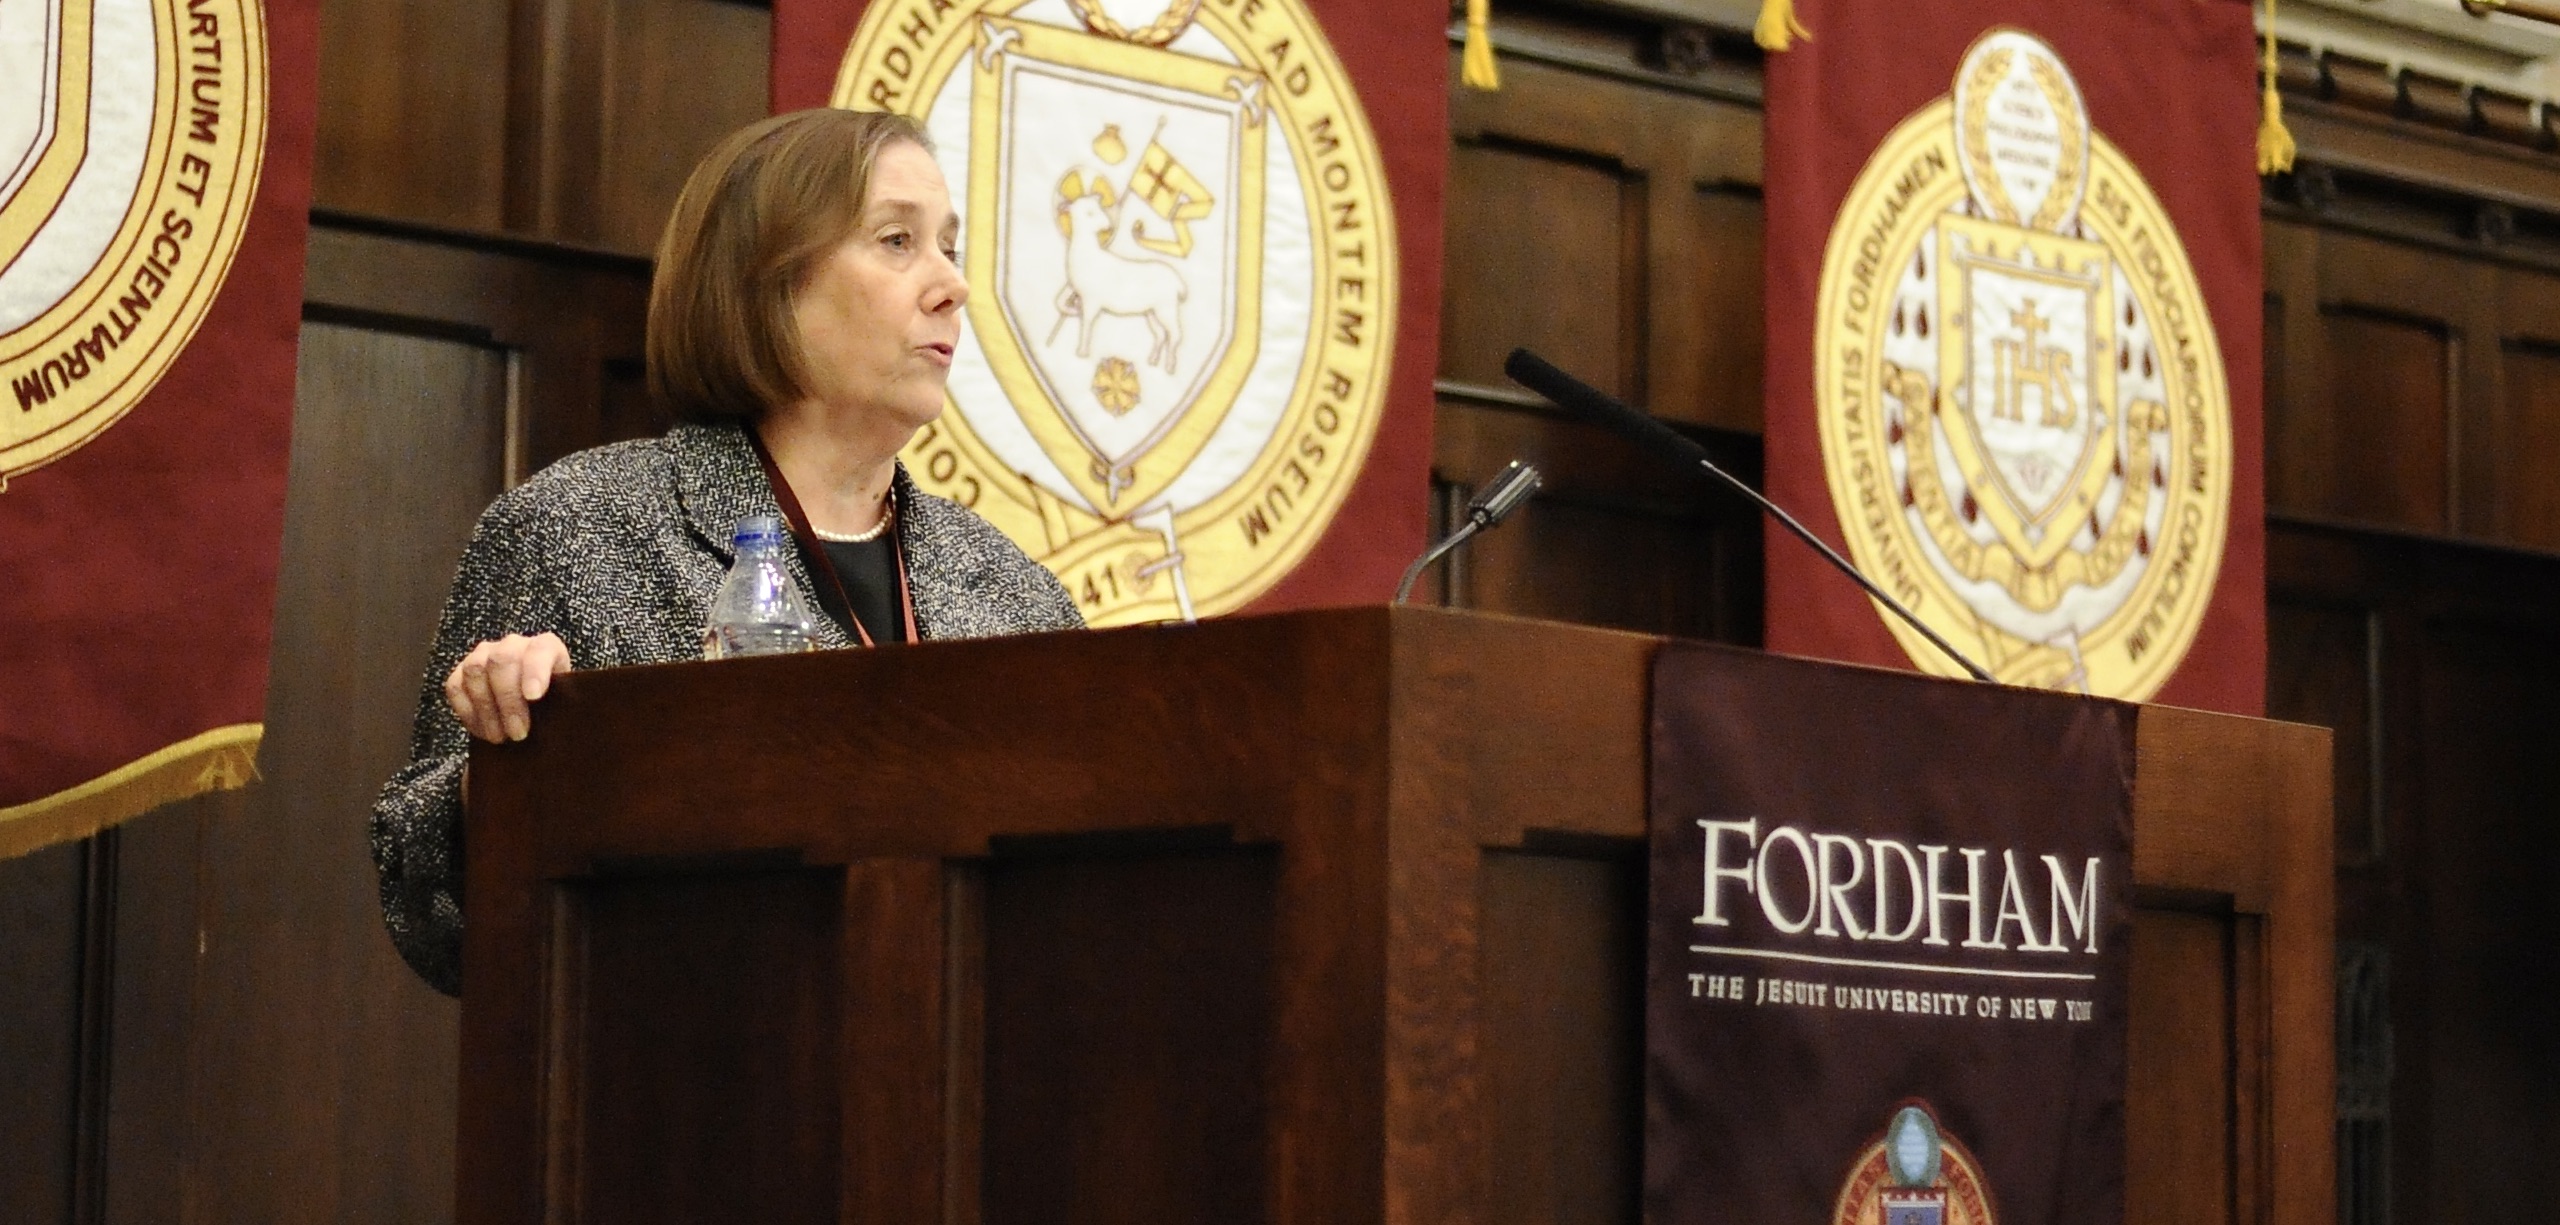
x: 1053, y: 608
x: 501, y: 587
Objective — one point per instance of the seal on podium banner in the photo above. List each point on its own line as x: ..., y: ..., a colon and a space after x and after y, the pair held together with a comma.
x: 1914, y: 1175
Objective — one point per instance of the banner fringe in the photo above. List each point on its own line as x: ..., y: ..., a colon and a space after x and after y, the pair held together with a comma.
x: 223, y: 759
x: 1778, y: 28
x: 2275, y: 144
x: 1480, y: 71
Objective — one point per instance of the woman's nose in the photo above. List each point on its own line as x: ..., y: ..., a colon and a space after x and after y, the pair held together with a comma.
x: 950, y: 289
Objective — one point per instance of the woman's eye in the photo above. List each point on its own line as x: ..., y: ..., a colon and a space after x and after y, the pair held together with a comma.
x: 896, y: 241
x: 952, y: 254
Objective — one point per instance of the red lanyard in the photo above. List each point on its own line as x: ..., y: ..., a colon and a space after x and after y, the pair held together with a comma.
x: 816, y: 553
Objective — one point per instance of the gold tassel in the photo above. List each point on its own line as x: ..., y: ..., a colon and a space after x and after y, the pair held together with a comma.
x: 1480, y: 72
x: 2275, y: 144
x: 1778, y: 28
x: 224, y: 759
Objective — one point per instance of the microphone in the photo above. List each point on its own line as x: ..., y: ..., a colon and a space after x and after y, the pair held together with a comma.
x: 1491, y: 505
x: 1538, y: 375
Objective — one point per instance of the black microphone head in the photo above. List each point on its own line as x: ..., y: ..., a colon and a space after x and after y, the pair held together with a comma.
x: 1504, y: 493
x: 1531, y: 371
x: 1600, y: 408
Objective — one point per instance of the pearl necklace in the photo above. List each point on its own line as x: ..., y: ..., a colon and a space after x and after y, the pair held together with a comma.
x: 887, y: 513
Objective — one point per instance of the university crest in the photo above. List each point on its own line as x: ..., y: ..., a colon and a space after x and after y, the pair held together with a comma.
x: 1183, y: 267
x: 131, y: 133
x: 2024, y: 419
x: 1914, y: 1175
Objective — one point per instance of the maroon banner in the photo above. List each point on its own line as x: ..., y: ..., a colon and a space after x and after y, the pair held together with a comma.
x: 2013, y: 352
x: 1888, y: 948
x: 151, y: 251
x: 1203, y: 243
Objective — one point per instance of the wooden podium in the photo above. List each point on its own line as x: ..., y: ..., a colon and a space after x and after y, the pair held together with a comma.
x: 1323, y: 918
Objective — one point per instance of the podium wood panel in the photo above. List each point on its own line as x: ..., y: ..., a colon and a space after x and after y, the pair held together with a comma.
x: 1331, y: 917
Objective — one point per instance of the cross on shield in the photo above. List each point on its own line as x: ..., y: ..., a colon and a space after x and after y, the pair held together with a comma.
x: 2031, y: 369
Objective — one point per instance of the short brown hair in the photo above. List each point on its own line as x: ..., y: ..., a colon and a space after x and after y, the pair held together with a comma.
x: 751, y: 223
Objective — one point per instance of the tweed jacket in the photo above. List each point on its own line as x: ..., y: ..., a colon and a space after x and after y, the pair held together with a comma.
x: 618, y: 550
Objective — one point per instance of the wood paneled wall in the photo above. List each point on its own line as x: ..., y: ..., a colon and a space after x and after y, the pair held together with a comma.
x: 1621, y: 223
x: 1613, y: 226
x: 2437, y: 663
x: 2419, y: 389
x: 50, y: 1072
x: 311, y: 1055
x: 204, y: 1015
x: 2413, y: 472
x: 568, y: 120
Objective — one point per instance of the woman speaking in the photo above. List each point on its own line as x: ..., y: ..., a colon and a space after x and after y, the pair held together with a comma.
x: 801, y: 327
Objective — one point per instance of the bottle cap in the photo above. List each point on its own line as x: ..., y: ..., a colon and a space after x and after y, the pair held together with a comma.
x: 757, y: 532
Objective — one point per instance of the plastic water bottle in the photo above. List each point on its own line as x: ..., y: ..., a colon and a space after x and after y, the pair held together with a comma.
x: 758, y: 611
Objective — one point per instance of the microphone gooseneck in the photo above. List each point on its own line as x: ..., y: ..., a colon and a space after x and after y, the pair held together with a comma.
x: 1491, y: 505
x: 1571, y: 394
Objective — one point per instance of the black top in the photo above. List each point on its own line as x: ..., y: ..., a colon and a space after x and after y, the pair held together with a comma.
x: 869, y: 569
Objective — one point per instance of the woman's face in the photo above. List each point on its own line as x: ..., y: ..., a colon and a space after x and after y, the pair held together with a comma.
x: 880, y: 314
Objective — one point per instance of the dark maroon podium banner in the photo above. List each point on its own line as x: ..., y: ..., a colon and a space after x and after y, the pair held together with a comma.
x: 1890, y: 928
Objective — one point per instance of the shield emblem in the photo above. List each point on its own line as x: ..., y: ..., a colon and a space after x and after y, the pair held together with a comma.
x: 44, y: 113
x: 1907, y: 1206
x: 1115, y: 228
x: 2031, y: 368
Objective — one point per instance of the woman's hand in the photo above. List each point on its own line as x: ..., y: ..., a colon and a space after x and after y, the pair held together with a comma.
x: 489, y: 690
